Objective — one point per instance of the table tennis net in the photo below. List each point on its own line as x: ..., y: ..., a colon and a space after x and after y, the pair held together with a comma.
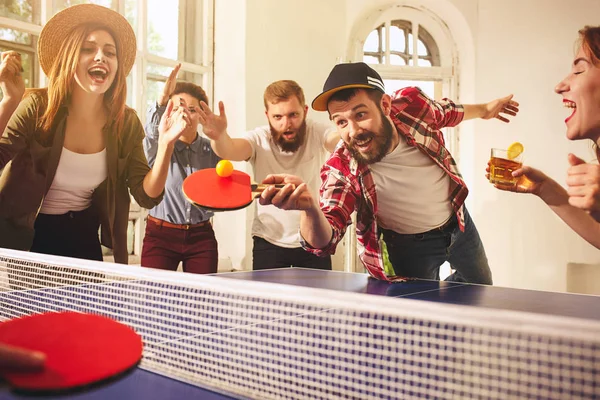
x: 271, y: 341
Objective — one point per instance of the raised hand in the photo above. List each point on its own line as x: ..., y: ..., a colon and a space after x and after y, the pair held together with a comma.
x: 583, y: 181
x: 11, y: 78
x: 504, y: 105
x: 213, y: 125
x: 169, y: 86
x: 173, y: 123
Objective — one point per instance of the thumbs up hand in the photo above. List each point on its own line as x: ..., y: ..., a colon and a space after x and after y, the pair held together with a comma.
x: 583, y: 185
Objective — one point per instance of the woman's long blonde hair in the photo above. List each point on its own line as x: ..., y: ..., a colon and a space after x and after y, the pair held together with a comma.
x: 62, y: 78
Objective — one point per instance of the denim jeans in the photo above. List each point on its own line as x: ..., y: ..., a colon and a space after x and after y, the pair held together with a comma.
x: 421, y: 255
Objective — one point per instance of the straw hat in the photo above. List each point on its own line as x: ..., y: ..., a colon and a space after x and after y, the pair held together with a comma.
x: 62, y: 23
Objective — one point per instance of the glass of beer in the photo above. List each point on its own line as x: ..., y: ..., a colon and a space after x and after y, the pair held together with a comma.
x: 502, y: 164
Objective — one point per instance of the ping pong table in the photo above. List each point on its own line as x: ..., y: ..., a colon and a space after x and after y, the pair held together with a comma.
x: 144, y: 384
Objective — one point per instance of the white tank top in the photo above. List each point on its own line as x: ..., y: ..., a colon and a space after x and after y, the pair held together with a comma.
x: 413, y: 192
x: 77, y: 175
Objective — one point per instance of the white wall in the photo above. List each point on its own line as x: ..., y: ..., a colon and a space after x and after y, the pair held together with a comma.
x: 230, y: 87
x: 258, y: 42
x: 522, y: 47
x: 526, y: 47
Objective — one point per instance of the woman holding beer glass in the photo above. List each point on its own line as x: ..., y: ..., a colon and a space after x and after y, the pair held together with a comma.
x: 579, y: 205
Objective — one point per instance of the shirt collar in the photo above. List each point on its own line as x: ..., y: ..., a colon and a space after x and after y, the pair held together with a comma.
x: 194, y: 146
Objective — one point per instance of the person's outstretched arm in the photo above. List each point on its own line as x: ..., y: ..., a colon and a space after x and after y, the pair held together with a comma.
x: 215, y: 127
x: 155, y: 114
x: 493, y: 109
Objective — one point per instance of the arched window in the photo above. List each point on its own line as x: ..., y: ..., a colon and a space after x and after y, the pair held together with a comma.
x: 395, y: 45
x: 409, y: 46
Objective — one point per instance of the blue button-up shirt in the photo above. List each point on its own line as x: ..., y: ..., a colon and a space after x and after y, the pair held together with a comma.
x: 186, y: 158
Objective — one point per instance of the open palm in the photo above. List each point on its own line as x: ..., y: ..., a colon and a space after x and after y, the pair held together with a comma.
x: 213, y: 125
x: 500, y: 108
x: 173, y: 123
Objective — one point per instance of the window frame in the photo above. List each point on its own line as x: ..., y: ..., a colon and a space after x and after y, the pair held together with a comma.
x: 446, y: 73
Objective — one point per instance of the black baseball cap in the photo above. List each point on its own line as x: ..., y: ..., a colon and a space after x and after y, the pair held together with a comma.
x: 346, y: 76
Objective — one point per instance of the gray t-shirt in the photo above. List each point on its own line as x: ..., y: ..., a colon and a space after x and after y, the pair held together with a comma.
x: 280, y: 227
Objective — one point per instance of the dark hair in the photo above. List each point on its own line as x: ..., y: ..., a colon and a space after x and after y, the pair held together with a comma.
x: 192, y: 89
x: 346, y: 94
x: 589, y: 40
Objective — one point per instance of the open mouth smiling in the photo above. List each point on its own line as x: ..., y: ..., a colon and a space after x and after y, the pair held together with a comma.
x: 98, y: 74
x: 570, y: 104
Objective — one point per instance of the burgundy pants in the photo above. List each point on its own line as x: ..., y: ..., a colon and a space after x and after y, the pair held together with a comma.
x: 165, y: 248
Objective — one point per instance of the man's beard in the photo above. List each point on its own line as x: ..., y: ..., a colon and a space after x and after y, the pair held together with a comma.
x: 293, y: 144
x: 380, y: 142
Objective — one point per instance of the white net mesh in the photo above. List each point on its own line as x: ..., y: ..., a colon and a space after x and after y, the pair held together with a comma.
x: 270, y: 341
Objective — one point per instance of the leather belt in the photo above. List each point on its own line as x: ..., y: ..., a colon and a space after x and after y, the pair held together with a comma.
x: 450, y: 223
x: 184, y: 227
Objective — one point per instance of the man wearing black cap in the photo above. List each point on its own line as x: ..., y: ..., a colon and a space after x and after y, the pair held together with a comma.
x: 395, y: 172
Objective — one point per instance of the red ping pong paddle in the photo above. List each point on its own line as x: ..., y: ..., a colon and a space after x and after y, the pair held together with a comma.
x: 81, y: 350
x: 206, y: 189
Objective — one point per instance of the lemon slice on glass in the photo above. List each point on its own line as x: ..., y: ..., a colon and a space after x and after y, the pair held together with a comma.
x: 514, y: 150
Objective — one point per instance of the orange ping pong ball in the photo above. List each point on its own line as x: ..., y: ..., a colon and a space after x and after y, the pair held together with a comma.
x: 224, y: 168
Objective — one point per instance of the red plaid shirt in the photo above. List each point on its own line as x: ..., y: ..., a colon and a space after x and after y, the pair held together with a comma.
x: 348, y: 186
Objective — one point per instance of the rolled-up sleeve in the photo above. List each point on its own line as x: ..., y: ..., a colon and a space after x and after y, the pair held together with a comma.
x: 447, y: 113
x: 337, y: 201
x: 413, y: 102
x: 154, y: 115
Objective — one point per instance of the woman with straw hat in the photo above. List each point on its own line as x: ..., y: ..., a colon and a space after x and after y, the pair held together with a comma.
x: 72, y: 152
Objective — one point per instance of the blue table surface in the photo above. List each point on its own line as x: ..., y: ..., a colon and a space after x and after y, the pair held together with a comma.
x: 141, y: 384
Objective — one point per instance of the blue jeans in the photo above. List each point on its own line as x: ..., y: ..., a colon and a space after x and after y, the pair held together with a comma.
x: 421, y: 255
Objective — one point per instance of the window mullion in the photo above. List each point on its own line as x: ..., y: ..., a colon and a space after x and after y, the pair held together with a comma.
x: 185, y: 66
x: 139, y: 72
x: 380, y: 48
x: 23, y: 48
x: 120, y: 6
x: 207, y: 49
x: 387, y: 42
x: 415, y: 43
x: 20, y: 26
x: 181, y: 35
